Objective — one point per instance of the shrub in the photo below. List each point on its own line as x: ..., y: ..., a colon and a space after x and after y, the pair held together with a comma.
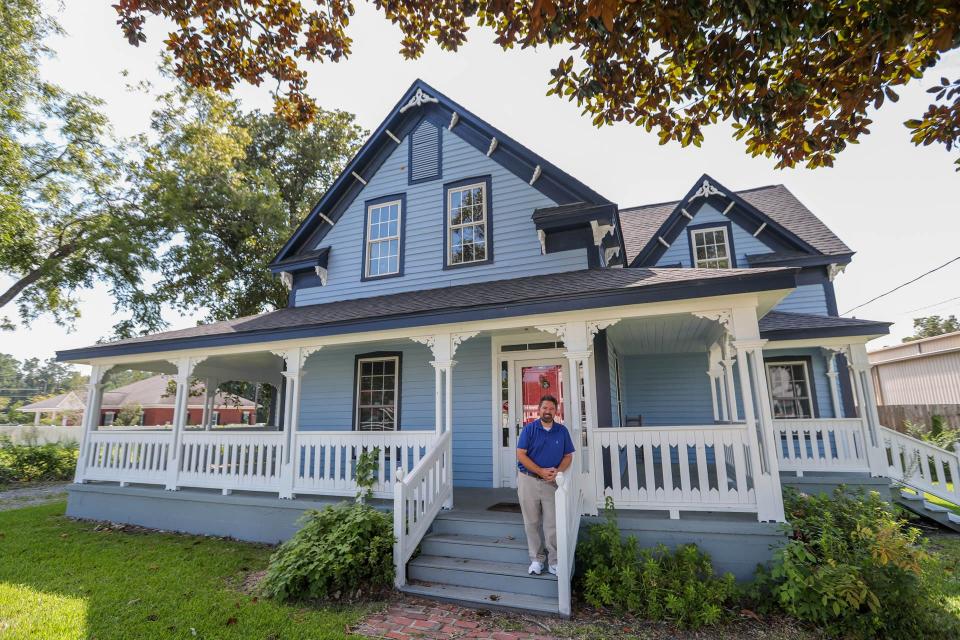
x: 342, y: 552
x: 854, y: 568
x: 658, y: 584
x: 31, y: 463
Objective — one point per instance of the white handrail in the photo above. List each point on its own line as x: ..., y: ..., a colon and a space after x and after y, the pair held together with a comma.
x: 417, y: 499
x: 570, y: 503
x: 824, y: 444
x: 921, y: 465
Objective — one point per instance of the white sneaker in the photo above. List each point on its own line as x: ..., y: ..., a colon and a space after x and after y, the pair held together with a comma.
x: 552, y: 569
x: 536, y: 568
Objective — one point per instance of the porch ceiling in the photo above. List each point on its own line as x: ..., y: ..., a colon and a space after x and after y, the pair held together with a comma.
x: 680, y: 333
x: 257, y: 366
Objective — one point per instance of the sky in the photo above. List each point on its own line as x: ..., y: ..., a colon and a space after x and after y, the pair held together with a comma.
x: 893, y: 203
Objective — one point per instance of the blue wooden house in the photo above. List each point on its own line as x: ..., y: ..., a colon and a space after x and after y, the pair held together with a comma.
x: 448, y: 279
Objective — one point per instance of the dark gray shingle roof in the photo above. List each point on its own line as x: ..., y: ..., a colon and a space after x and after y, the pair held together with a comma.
x: 784, y: 321
x: 530, y: 289
x: 640, y: 224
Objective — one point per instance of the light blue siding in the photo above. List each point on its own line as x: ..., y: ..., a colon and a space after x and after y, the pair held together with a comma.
x: 807, y: 298
x: 743, y: 241
x: 821, y: 382
x: 667, y: 389
x: 328, y: 389
x: 516, y: 247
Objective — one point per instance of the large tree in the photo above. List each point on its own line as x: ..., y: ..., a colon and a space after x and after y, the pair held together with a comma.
x: 67, y: 216
x: 796, y: 79
x: 234, y: 186
x: 930, y: 326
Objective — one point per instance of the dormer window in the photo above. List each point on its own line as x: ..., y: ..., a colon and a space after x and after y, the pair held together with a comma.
x: 710, y: 247
x: 468, y: 223
x: 383, y: 245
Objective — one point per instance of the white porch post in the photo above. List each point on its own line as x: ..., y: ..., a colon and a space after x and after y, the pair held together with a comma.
x: 870, y: 417
x: 91, y: 416
x: 295, y: 359
x: 209, y: 399
x: 714, y: 373
x: 727, y: 384
x: 833, y: 377
x: 438, y: 393
x: 753, y: 388
x: 184, y: 369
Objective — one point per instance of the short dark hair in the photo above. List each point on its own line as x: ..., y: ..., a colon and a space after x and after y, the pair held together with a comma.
x: 548, y: 398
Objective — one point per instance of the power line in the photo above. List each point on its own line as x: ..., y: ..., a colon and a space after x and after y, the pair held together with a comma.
x: 936, y: 304
x: 886, y: 293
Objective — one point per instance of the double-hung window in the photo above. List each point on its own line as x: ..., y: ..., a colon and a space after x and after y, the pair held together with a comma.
x: 378, y: 391
x: 383, y: 238
x: 790, y: 389
x: 711, y: 248
x: 468, y: 223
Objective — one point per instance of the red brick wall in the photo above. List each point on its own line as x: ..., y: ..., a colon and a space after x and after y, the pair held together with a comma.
x: 165, y: 416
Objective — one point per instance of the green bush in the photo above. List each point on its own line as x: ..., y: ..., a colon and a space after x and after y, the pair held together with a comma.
x: 32, y: 463
x: 854, y: 568
x: 342, y: 552
x: 657, y: 584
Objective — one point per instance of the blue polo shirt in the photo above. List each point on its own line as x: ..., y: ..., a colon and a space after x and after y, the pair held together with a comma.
x: 546, y: 448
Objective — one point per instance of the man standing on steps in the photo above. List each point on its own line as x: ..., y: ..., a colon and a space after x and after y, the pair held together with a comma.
x: 544, y: 449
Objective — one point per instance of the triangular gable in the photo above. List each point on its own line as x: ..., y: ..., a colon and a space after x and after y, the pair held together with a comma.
x: 421, y: 101
x: 730, y: 204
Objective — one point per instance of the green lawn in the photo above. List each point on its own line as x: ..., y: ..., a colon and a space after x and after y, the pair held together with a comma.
x: 61, y: 579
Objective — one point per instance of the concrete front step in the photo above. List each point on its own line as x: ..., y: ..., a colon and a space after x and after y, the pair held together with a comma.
x: 458, y: 545
x: 485, y: 598
x: 495, y: 525
x: 918, y: 504
x: 500, y: 577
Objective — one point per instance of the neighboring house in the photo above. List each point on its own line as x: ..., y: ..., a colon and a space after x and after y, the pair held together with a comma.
x: 917, y: 380
x: 448, y: 279
x: 156, y: 403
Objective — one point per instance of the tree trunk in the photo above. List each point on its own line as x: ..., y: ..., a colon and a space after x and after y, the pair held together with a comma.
x: 34, y: 274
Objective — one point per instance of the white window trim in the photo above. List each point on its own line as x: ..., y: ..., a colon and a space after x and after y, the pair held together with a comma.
x: 109, y: 417
x: 396, y: 390
x: 452, y: 227
x: 807, y: 380
x: 726, y: 243
x: 368, y: 242
x: 215, y: 418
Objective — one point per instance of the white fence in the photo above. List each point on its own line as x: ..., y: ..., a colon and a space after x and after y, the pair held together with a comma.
x: 41, y: 434
x: 828, y: 444
x: 228, y: 461
x: 696, y: 468
x: 325, y: 462
x: 128, y: 457
x: 418, y: 497
x: 571, y: 502
x: 921, y: 465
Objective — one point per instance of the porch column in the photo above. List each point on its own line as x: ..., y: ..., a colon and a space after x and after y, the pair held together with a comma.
x: 209, y: 400
x: 757, y: 414
x: 438, y: 394
x: 833, y: 377
x: 185, y: 368
x: 867, y: 401
x: 714, y: 373
x: 91, y: 415
x: 295, y: 360
x: 727, y: 384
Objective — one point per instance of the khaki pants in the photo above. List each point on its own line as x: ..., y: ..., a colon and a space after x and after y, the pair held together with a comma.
x: 538, y: 505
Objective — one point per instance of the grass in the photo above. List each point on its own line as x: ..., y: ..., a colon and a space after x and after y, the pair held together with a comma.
x: 63, y: 579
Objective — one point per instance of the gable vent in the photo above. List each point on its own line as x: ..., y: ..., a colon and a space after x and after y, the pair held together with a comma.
x: 425, y: 152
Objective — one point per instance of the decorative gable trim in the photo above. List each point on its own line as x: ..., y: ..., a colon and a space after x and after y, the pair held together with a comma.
x: 422, y: 102
x: 706, y: 189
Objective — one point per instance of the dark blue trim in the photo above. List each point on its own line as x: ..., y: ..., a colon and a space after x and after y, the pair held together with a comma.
x: 815, y: 407
x: 402, y: 197
x: 756, y: 260
x: 554, y: 183
x: 831, y: 296
x: 846, y: 390
x: 356, y: 371
x: 727, y: 226
x: 318, y: 258
x: 582, y: 300
x: 742, y: 212
x: 439, y: 174
x: 872, y: 329
x: 601, y: 359
x: 487, y: 181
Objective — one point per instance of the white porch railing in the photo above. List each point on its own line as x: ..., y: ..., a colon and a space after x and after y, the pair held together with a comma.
x: 921, y: 465
x: 126, y: 456
x: 691, y: 468
x: 231, y: 460
x: 821, y: 444
x: 325, y: 462
x: 571, y: 503
x: 418, y: 497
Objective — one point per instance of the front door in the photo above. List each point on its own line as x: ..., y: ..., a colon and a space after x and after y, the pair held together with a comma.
x: 527, y: 381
